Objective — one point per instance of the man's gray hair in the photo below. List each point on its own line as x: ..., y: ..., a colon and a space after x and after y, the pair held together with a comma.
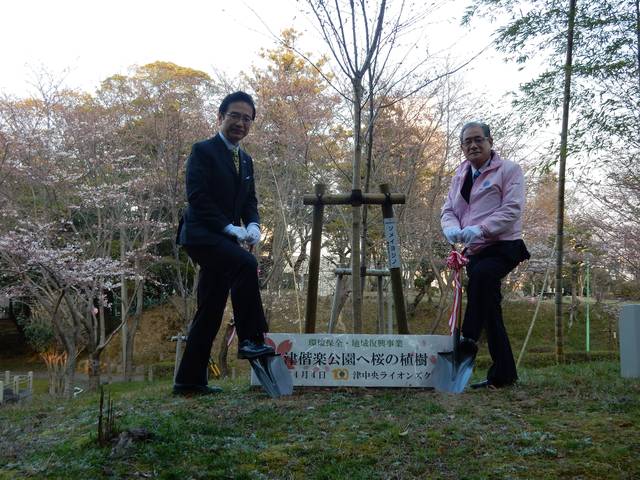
x: 483, y: 126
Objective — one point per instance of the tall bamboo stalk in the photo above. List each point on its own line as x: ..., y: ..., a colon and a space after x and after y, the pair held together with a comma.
x: 561, y: 181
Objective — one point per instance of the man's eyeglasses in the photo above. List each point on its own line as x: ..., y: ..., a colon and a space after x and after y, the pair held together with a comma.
x: 235, y: 116
x: 470, y: 141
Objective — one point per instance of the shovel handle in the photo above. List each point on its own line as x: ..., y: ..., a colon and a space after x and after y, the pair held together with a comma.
x: 458, y: 322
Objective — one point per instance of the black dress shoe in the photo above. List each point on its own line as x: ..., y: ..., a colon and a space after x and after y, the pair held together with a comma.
x: 483, y: 384
x: 248, y: 350
x: 188, y: 389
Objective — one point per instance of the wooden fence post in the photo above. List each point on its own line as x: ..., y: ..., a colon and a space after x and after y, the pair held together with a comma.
x: 30, y: 384
x: 1, y: 391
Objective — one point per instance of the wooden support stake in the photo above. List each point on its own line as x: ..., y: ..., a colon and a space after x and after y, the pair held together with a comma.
x: 178, y: 355
x: 314, y: 260
x: 380, y: 328
x: 391, y: 235
x: 389, y: 314
x: 336, y: 302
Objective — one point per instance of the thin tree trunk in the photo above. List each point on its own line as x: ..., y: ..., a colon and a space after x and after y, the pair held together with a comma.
x: 133, y: 328
x: 101, y: 319
x: 124, y: 300
x: 139, y: 292
x: 93, y: 371
x: 561, y: 180
x: 367, y: 179
x: 443, y: 300
x: 355, y: 233
x: 70, y: 373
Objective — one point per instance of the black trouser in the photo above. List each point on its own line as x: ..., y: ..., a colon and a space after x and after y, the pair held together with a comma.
x: 224, y: 267
x: 485, y: 272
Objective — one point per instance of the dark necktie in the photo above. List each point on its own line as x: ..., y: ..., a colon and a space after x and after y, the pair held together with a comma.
x: 465, y: 191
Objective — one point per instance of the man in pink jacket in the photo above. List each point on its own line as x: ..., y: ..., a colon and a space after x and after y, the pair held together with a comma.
x: 483, y: 210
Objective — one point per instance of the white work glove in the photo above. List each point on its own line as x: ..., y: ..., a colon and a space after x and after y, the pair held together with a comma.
x: 453, y: 234
x: 239, y: 233
x: 253, y: 233
x: 471, y: 233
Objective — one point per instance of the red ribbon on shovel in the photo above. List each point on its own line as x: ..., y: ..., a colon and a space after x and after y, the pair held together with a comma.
x: 455, y: 262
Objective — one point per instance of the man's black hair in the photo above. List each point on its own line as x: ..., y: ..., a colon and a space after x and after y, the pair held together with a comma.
x: 237, y: 97
x: 483, y: 126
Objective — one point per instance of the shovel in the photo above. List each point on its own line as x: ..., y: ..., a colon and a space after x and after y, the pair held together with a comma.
x: 453, y: 368
x: 273, y: 375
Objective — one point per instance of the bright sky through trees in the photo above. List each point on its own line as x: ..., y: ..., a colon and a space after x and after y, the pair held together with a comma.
x: 90, y: 41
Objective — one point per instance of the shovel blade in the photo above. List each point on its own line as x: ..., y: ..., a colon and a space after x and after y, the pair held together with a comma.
x: 280, y: 374
x: 273, y: 375
x: 452, y: 376
x: 260, y: 368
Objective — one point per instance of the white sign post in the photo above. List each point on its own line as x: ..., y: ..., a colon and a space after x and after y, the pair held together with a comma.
x: 349, y: 360
x: 629, y: 334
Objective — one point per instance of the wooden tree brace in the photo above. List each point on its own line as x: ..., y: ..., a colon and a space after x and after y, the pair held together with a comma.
x: 355, y: 198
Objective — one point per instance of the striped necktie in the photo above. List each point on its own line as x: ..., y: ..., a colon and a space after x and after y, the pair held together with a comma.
x: 476, y: 174
x: 235, y: 153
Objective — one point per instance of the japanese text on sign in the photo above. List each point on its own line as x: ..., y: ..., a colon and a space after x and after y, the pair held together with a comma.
x: 391, y: 236
x: 359, y: 360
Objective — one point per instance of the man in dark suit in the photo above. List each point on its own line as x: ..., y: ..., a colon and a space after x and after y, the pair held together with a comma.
x: 221, y: 199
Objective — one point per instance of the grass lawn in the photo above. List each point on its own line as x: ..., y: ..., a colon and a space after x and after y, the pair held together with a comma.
x: 578, y: 421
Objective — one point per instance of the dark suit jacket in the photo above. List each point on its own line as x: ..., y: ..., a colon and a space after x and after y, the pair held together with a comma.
x: 216, y: 195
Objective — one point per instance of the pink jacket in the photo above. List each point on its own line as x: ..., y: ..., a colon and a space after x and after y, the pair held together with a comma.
x: 495, y: 204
